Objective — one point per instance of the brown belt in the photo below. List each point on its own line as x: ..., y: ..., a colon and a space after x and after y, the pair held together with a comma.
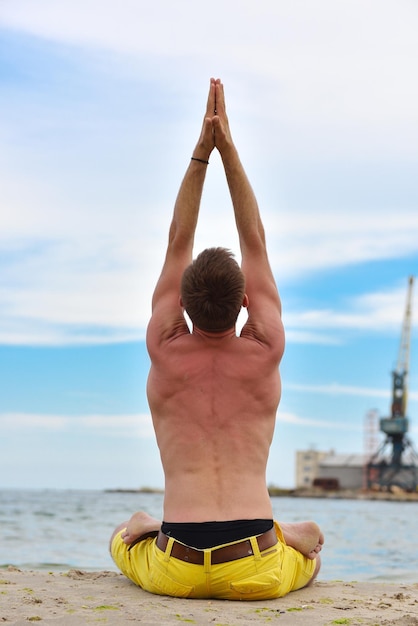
x: 218, y: 555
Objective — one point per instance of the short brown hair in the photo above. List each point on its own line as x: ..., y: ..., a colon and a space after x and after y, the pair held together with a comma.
x: 212, y: 290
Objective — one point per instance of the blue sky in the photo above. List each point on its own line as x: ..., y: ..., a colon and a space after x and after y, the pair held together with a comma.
x: 100, y: 105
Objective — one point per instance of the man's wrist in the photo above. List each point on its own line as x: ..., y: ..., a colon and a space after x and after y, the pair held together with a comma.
x: 229, y: 154
x: 201, y: 153
x: 204, y: 161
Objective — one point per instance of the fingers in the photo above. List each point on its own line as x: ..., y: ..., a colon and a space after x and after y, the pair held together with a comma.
x: 220, y: 122
x: 219, y: 98
x: 216, y: 98
x: 215, y: 121
x: 207, y: 133
x: 210, y: 106
x: 207, y: 130
x: 218, y: 127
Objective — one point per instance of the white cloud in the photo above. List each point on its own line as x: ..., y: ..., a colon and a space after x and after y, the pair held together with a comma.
x: 374, y: 312
x: 17, y: 421
x: 347, y: 63
x: 98, y: 289
x: 127, y: 426
x: 119, y: 425
x: 338, y: 389
x: 303, y: 241
x: 291, y: 418
x: 83, y: 238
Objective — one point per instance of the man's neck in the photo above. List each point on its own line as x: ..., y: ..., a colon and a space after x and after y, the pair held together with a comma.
x: 214, y: 334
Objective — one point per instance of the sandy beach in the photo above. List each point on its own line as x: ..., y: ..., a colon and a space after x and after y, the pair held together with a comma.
x: 77, y: 597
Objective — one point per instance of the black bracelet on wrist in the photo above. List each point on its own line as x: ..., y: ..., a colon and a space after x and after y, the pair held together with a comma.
x: 200, y: 160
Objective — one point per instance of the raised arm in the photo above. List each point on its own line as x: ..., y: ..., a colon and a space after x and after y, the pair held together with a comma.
x: 167, y: 316
x: 264, y: 302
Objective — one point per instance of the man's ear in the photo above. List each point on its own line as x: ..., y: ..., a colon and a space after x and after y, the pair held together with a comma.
x: 245, y: 301
x: 181, y: 302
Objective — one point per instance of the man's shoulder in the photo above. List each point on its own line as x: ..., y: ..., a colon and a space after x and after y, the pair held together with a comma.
x: 267, y: 332
x: 163, y: 330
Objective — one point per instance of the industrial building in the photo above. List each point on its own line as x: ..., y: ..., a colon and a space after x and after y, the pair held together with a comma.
x: 329, y: 469
x: 307, y: 467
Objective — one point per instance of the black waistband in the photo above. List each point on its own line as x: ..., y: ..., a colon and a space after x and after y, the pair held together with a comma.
x: 209, y: 534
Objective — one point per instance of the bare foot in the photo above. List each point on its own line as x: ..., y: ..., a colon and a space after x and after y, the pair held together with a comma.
x: 306, y: 537
x: 140, y: 525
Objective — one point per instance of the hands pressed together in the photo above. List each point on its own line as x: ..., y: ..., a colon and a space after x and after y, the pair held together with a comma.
x: 215, y: 130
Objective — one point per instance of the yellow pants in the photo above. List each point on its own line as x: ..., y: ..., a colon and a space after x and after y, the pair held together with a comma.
x: 263, y: 575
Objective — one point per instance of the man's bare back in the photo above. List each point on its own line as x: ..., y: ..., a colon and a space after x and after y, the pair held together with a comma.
x: 214, y: 398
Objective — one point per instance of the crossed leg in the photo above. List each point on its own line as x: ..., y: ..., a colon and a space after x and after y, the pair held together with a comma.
x: 140, y: 525
x: 305, y: 537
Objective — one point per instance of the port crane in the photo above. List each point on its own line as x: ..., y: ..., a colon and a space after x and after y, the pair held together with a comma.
x: 396, y: 462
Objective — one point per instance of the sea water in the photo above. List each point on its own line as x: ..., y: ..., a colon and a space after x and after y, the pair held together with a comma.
x: 58, y: 530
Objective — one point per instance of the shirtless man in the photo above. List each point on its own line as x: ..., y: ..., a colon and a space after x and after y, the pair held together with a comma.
x: 213, y: 397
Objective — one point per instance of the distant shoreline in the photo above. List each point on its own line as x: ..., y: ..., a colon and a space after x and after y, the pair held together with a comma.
x: 277, y: 492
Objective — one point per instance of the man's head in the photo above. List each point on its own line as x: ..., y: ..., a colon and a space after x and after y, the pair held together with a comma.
x: 213, y: 289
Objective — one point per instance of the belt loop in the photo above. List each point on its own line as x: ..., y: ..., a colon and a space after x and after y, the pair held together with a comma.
x: 168, y: 548
x: 207, y: 560
x: 255, y: 547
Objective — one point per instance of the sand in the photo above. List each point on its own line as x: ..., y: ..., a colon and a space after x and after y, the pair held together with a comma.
x: 76, y: 597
